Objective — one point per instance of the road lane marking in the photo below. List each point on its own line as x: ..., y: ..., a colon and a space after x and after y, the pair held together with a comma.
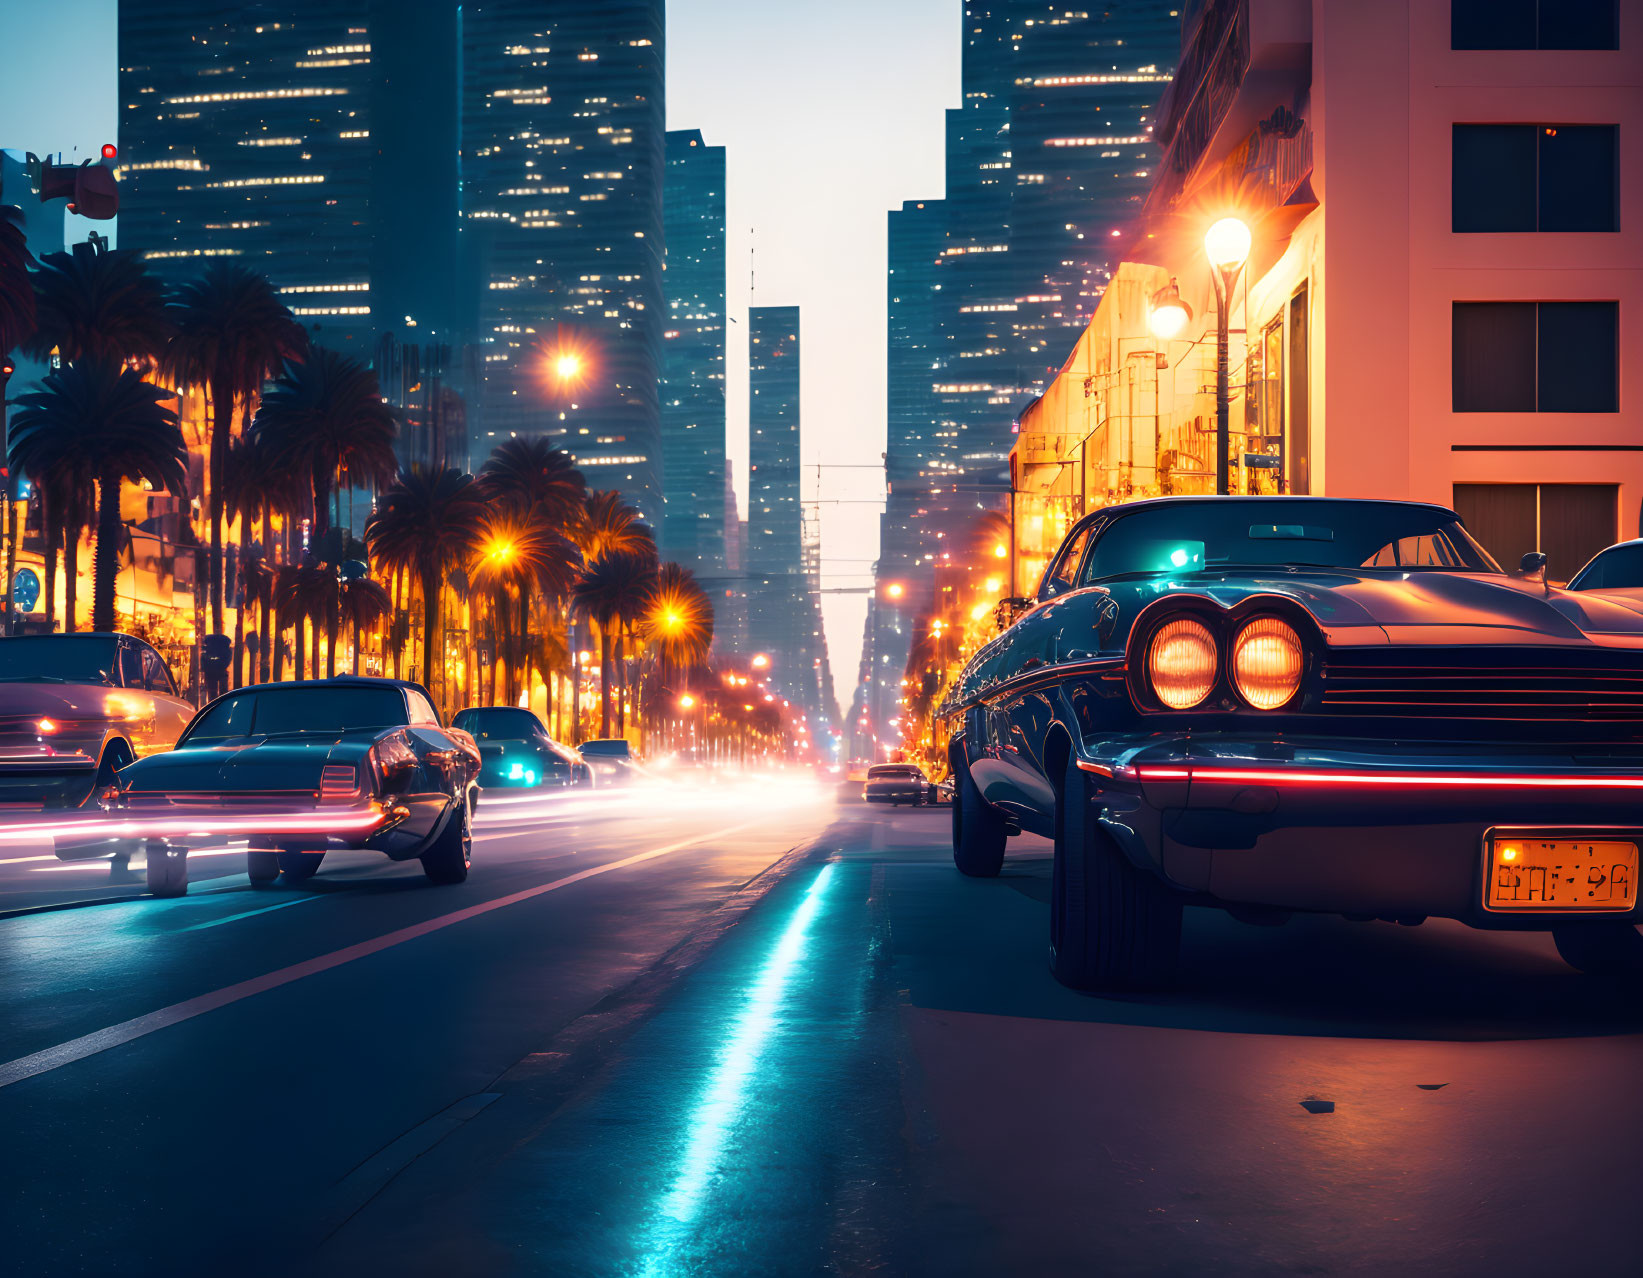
x: 245, y: 914
x: 77, y: 1049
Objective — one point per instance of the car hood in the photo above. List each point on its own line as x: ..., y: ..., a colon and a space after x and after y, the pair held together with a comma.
x: 1354, y: 608
x: 248, y: 763
x: 68, y: 701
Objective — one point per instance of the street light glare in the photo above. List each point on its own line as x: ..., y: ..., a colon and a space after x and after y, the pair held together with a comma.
x: 1227, y: 243
x: 1169, y: 313
x: 567, y: 366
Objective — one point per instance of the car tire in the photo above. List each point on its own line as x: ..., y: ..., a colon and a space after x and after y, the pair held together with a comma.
x: 262, y: 866
x: 978, y: 830
x: 167, y: 869
x: 299, y: 865
x: 1609, y: 949
x: 1112, y: 926
x: 448, y: 859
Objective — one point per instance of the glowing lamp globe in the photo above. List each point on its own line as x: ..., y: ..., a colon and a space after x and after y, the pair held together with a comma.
x: 1227, y: 243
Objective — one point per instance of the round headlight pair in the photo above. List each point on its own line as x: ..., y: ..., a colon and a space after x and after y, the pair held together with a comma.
x: 1183, y: 660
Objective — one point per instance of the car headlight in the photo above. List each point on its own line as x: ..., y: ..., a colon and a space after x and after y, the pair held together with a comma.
x: 1267, y: 659
x: 1181, y: 663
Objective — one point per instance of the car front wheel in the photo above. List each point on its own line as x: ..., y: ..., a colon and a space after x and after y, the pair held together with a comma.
x: 978, y: 830
x: 1112, y: 926
x: 299, y: 865
x: 1607, y: 948
x: 262, y: 866
x: 448, y: 859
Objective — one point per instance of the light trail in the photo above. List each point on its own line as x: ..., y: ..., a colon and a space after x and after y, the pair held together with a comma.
x: 723, y: 1098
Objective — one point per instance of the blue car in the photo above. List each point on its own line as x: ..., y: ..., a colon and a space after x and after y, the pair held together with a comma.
x: 1271, y: 705
x: 516, y: 751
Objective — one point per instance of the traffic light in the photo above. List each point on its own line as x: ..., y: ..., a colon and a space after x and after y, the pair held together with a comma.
x: 89, y: 188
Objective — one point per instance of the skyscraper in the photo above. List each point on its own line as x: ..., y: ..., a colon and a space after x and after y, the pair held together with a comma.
x: 782, y: 612
x: 245, y: 133
x: 563, y: 162
x: 693, y: 360
x: 288, y: 137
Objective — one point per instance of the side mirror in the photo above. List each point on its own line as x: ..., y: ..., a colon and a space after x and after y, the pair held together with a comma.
x: 1533, y: 562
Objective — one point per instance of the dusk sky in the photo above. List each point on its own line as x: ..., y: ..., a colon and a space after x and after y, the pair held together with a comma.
x: 832, y: 115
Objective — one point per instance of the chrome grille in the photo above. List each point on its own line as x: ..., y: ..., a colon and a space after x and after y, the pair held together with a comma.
x: 1513, y: 684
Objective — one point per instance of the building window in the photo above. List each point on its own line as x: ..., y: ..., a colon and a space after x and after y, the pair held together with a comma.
x: 1536, y: 357
x: 1533, y: 24
x: 1300, y: 392
x: 1569, y: 523
x: 1535, y: 177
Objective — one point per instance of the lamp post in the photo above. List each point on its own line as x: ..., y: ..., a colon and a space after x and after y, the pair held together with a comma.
x: 1227, y: 245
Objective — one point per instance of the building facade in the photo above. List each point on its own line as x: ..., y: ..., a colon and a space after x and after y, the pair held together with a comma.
x: 563, y: 161
x: 693, y: 359
x: 312, y: 142
x: 1444, y: 246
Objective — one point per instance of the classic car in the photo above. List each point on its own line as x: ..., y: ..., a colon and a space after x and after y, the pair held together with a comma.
x: 1284, y: 704
x: 297, y: 768
x: 75, y: 708
x: 613, y: 759
x: 1619, y: 567
x: 897, y: 783
x: 516, y: 751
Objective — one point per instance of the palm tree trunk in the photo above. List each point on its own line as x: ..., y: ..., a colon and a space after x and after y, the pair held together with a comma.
x: 331, y: 623
x: 51, y: 523
x: 525, y: 643
x: 71, y: 555
x: 430, y: 622
x: 621, y: 680
x: 300, y: 647
x: 239, y: 636
x: 222, y: 428
x: 314, y: 635
x: 107, y: 563
x: 605, y: 679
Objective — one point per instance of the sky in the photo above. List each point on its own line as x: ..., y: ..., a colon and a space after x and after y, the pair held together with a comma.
x: 832, y: 115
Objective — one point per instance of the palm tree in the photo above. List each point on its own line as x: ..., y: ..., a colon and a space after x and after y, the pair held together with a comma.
x: 324, y: 417
x: 527, y: 559
x: 608, y: 524
x: 364, y: 604
x: 65, y: 483
x: 232, y: 333
x: 425, y: 523
x: 305, y: 595
x: 17, y: 318
x: 256, y: 589
x: 118, y: 422
x: 610, y: 592
x: 534, y: 480
x: 98, y: 304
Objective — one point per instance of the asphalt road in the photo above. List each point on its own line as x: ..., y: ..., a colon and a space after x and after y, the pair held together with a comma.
x: 733, y: 1058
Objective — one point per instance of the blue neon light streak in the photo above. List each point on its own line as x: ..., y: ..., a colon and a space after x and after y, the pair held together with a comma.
x: 723, y: 1096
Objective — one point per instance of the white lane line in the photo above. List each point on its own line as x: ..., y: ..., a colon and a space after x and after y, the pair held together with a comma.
x: 77, y: 1049
x: 245, y: 914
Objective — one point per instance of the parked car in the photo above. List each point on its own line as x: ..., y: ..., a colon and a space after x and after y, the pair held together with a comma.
x: 897, y: 783
x: 613, y: 759
x: 516, y: 751
x: 1301, y: 704
x: 1620, y: 567
x: 76, y: 708
x: 298, y: 768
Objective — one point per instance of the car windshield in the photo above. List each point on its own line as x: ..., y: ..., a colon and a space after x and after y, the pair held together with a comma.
x: 500, y: 723
x: 1617, y: 567
x: 58, y: 659
x: 1234, y: 533
x: 271, y: 711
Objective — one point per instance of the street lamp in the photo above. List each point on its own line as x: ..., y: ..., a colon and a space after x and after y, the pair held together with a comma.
x: 1169, y: 314
x: 567, y: 366
x: 1227, y: 245
x: 761, y: 661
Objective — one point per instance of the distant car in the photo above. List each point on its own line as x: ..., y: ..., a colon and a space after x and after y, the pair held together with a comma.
x: 516, y: 751
x: 612, y: 758
x: 298, y: 768
x: 76, y: 708
x: 897, y: 783
x: 1620, y: 567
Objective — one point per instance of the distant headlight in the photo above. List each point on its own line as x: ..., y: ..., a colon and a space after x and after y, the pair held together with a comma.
x: 1181, y: 663
x: 1267, y: 658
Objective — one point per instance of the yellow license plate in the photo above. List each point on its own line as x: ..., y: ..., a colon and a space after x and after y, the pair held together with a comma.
x: 1530, y: 874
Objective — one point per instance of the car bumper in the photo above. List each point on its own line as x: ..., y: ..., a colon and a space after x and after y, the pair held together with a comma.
x: 397, y: 826
x: 1340, y: 828
x: 893, y: 796
x: 62, y: 779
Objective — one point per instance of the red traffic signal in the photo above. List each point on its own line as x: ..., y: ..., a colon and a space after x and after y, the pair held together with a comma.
x: 89, y: 188
x: 110, y: 151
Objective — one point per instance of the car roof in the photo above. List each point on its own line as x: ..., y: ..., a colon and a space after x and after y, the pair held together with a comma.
x: 1145, y: 503
x: 358, y: 681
